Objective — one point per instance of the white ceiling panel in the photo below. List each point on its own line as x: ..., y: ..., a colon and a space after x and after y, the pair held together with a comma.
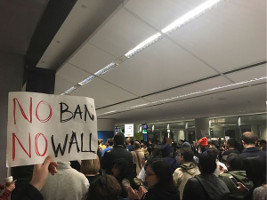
x: 62, y: 84
x: 191, y: 88
x: 164, y: 62
x: 230, y: 36
x: 244, y: 100
x: 160, y: 13
x: 248, y: 74
x: 71, y: 73
x: 104, y: 93
x: 121, y: 33
x: 90, y: 58
x: 121, y: 106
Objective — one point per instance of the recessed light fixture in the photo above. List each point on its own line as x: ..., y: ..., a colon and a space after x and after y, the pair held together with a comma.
x: 106, y: 69
x: 143, y: 45
x: 70, y: 90
x: 189, y: 16
x: 87, y: 80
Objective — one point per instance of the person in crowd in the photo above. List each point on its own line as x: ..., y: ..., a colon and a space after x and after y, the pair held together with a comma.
x: 129, y: 145
x: 144, y: 149
x: 109, y: 145
x: 156, y: 153
x: 106, y: 187
x: 260, y: 191
x: 231, y: 147
x: 167, y: 153
x: 206, y: 186
x: 91, y: 169
x: 249, y: 140
x: 236, y: 178
x: 7, y: 190
x: 160, y: 183
x: 187, y: 169
x: 31, y: 191
x: 68, y: 184
x: 138, y: 157
x: 124, y: 172
x: 102, y: 145
x: 204, y: 145
x: 221, y: 167
x: 118, y: 151
x: 255, y: 170
x: 262, y: 145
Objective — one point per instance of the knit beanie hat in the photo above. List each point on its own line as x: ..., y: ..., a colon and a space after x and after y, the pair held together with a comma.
x: 203, y: 141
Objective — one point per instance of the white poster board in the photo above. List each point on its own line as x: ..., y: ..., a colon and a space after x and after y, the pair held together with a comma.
x: 129, y: 130
x: 61, y: 126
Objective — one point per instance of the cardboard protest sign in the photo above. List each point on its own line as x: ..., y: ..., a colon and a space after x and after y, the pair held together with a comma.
x: 64, y: 127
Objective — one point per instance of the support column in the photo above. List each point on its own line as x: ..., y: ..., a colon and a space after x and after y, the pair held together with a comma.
x: 202, y: 127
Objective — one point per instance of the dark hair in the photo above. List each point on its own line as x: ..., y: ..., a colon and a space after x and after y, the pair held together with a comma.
x: 106, y: 187
x: 256, y: 170
x: 125, y: 168
x: 231, y: 142
x: 119, y: 139
x: 187, y: 154
x: 213, y: 152
x: 235, y: 161
x: 249, y: 138
x: 207, y: 163
x: 163, y: 172
x: 110, y: 141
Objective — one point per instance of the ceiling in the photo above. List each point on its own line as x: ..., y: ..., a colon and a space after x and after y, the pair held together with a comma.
x: 214, y: 65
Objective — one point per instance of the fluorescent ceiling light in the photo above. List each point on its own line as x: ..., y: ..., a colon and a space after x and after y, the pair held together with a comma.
x: 70, y: 90
x: 87, y: 80
x: 190, y: 15
x: 106, y: 69
x: 143, y: 45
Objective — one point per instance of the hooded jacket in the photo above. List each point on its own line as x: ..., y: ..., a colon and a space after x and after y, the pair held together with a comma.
x: 240, y: 176
x: 183, y: 173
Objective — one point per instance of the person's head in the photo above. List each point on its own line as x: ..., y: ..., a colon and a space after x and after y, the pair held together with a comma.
x: 249, y: 138
x: 100, y: 141
x: 158, y: 174
x: 137, y: 145
x: 231, y: 143
x: 186, y: 155
x: 106, y: 187
x: 166, y: 150
x: 234, y: 162
x: 118, y: 139
x: 203, y: 142
x: 213, y: 151
x: 122, y: 169
x: 262, y: 144
x: 207, y: 163
x: 110, y: 142
x: 90, y: 166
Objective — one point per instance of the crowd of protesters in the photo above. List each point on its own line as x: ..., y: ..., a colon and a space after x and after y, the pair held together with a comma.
x: 126, y: 169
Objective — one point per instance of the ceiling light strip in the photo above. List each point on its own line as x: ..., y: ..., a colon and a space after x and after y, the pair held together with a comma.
x: 143, y: 45
x: 87, y: 80
x: 189, y: 16
x: 70, y: 90
x: 106, y: 69
x: 186, y: 95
